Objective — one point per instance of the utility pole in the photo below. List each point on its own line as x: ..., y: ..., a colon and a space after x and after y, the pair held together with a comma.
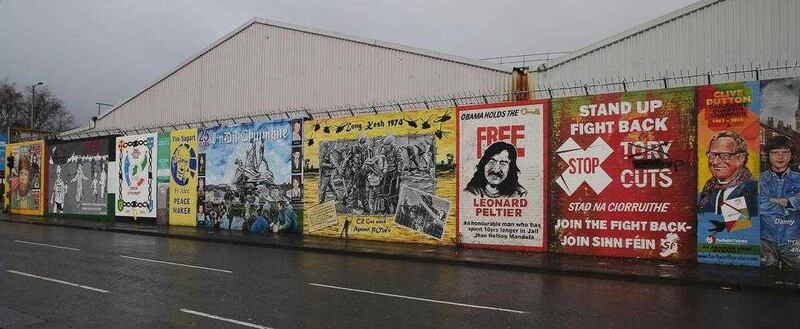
x: 33, y: 103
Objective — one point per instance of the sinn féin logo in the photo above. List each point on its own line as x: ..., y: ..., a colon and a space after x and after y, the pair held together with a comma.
x: 184, y: 164
x: 584, y: 165
x: 669, y: 244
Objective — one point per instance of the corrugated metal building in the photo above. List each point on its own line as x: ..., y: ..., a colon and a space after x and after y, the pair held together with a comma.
x: 727, y: 38
x: 270, y: 68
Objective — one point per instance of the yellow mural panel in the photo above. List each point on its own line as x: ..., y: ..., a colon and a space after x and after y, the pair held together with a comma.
x: 24, y: 188
x: 183, y: 177
x: 391, y: 175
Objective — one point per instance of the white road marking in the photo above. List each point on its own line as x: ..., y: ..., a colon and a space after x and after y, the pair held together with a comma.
x: 418, y: 298
x: 177, y: 264
x: 59, y: 281
x: 246, y: 324
x: 47, y: 245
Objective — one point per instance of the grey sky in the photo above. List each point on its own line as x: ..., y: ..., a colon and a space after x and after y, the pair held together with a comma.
x: 104, y: 51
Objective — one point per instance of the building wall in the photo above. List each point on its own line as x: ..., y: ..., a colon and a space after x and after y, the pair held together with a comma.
x: 710, y: 36
x: 272, y: 69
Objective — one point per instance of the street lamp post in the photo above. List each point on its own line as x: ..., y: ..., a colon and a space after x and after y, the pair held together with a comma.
x: 33, y: 103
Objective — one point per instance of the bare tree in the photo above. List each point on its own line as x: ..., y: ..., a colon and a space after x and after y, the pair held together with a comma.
x: 47, y: 111
x: 11, y: 102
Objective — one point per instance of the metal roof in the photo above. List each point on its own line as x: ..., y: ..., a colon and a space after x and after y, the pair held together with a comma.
x: 340, y: 36
x: 641, y: 28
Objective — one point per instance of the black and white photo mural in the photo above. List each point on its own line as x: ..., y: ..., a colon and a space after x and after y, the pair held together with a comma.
x: 77, y: 177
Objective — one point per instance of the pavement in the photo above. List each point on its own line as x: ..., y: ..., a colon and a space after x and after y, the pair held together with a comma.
x: 645, y: 271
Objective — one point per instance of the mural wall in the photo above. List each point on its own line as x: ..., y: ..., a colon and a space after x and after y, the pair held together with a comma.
x: 162, y: 178
x: 136, y: 162
x: 779, y: 183
x: 388, y: 177
x: 26, y: 179
x: 622, y: 174
x: 501, y: 155
x: 183, y: 178
x: 710, y: 173
x: 728, y: 170
x: 77, y: 179
x: 251, y: 177
x: 3, y: 143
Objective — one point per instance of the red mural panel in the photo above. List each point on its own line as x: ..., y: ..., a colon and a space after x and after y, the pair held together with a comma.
x: 622, y: 174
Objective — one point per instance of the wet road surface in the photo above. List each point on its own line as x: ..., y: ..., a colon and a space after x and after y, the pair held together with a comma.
x: 53, y: 277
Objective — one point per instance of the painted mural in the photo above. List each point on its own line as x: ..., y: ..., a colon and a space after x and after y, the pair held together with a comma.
x: 26, y: 179
x: 728, y: 171
x: 162, y: 178
x: 708, y: 173
x: 389, y: 176
x: 501, y: 157
x: 136, y: 162
x: 779, y: 183
x: 183, y: 177
x: 250, y: 177
x: 622, y: 174
x: 3, y: 143
x: 78, y: 177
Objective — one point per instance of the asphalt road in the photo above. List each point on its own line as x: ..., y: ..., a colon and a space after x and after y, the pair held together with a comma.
x: 53, y: 277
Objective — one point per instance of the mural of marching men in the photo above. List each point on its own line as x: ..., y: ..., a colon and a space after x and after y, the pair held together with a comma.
x: 372, y: 170
x: 77, y: 180
x: 386, y: 176
x: 136, y: 159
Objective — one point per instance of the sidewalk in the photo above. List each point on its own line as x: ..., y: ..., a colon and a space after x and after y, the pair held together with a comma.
x: 719, y: 276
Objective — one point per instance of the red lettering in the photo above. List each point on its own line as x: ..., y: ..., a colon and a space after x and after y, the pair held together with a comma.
x: 518, y: 133
x: 503, y: 132
x: 492, y: 135
x: 487, y: 135
x: 481, y: 138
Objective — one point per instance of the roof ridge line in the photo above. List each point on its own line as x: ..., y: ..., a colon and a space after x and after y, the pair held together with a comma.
x: 294, y: 27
